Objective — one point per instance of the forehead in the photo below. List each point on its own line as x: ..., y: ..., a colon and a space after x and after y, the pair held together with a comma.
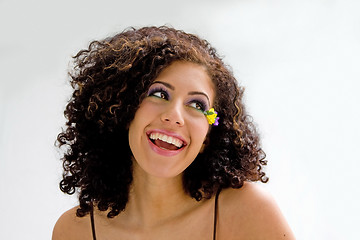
x: 188, y: 76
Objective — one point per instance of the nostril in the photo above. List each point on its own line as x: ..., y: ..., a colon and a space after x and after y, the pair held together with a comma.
x: 173, y: 119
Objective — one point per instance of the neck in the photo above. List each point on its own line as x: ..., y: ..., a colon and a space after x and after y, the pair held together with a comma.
x: 154, y: 201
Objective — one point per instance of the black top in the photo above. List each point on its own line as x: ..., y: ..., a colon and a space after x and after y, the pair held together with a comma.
x: 215, y: 218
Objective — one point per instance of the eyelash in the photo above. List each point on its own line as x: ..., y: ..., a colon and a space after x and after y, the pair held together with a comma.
x: 158, y: 90
x: 202, y: 106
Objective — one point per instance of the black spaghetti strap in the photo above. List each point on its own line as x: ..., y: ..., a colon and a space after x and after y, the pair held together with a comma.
x: 92, y: 223
x: 216, y: 212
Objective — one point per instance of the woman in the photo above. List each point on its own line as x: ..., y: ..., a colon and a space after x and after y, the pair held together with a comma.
x: 148, y: 154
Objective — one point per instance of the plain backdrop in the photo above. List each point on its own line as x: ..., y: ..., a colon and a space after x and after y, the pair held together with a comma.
x: 299, y: 62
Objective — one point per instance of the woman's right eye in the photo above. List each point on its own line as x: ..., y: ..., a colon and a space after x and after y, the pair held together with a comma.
x: 159, y: 94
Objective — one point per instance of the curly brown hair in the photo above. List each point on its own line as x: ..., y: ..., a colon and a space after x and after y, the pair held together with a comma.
x: 110, y: 80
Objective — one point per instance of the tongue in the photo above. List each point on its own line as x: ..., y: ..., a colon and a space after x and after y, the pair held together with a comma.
x: 165, y: 145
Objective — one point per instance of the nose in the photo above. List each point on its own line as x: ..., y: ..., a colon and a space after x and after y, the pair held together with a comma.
x: 173, y: 115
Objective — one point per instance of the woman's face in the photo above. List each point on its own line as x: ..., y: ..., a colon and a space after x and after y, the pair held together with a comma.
x: 169, y: 128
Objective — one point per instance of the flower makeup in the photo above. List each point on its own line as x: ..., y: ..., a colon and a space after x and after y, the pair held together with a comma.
x: 211, y: 116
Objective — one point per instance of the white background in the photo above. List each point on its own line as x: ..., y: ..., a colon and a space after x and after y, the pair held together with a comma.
x: 298, y: 60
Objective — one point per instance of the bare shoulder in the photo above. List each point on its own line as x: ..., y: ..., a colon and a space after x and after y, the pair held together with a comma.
x: 251, y: 213
x: 69, y: 226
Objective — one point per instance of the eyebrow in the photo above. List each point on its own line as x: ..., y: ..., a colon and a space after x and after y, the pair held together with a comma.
x: 190, y: 93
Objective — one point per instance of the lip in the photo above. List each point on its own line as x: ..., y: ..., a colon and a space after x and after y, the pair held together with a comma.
x: 161, y: 151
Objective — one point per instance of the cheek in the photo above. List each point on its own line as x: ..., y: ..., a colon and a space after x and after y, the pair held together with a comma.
x: 200, y: 129
x: 133, y: 132
x: 137, y: 125
x: 144, y: 114
x: 149, y: 110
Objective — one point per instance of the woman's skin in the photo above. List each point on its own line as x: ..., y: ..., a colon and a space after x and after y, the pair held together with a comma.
x: 158, y: 208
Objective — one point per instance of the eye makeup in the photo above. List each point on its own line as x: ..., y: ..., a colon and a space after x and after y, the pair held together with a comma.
x: 198, y: 104
x: 197, y: 101
x: 159, y: 92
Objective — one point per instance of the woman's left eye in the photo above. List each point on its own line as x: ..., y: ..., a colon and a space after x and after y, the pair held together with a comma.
x: 198, y: 106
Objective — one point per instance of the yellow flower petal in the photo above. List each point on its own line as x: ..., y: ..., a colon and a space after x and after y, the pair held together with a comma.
x: 211, y: 116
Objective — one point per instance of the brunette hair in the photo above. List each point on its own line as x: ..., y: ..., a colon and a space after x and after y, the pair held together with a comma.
x: 110, y: 80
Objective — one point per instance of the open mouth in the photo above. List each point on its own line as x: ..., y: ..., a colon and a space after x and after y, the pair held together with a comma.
x: 166, y: 142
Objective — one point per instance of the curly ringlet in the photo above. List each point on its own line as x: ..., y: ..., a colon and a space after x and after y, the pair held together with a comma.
x: 110, y: 80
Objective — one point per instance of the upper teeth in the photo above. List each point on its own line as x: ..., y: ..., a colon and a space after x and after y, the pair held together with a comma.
x: 175, y: 141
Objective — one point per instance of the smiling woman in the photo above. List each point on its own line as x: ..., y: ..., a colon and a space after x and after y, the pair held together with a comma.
x: 148, y: 154
x: 172, y: 112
